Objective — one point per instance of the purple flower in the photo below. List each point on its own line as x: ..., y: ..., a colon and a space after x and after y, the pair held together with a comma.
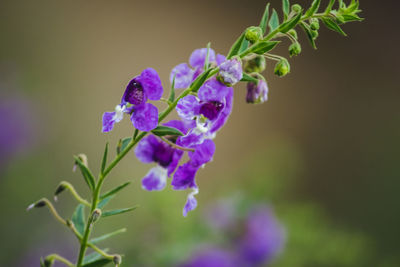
x: 230, y: 71
x: 211, y: 257
x: 144, y: 116
x: 257, y: 93
x: 185, y: 74
x: 210, y: 111
x: 263, y: 239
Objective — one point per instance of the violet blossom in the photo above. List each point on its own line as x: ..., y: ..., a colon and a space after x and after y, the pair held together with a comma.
x: 257, y: 93
x: 144, y: 116
x: 230, y: 71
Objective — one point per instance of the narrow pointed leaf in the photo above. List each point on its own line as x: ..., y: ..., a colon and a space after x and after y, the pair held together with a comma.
x: 313, y: 9
x: 104, y: 201
x: 236, y: 46
x: 42, y: 262
x: 263, y: 47
x: 329, y: 23
x: 200, y: 80
x: 285, y: 8
x: 104, y: 161
x: 247, y: 78
x: 114, y: 190
x: 307, y: 30
x: 78, y: 218
x: 94, y: 256
x: 329, y: 7
x: 264, y: 19
x: 86, y: 173
x: 165, y: 130
x: 352, y: 17
x: 244, y: 46
x: 106, y: 236
x: 117, y: 211
x: 172, y: 92
x: 207, y: 61
x: 122, y: 144
x: 98, y: 263
x: 290, y: 24
x: 274, y: 21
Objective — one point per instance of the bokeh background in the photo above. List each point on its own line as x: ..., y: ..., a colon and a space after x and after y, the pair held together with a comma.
x: 323, y: 151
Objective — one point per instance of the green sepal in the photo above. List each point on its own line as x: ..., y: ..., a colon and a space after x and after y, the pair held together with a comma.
x: 94, y: 256
x: 274, y: 20
x: 117, y: 211
x: 200, y: 80
x: 172, y: 92
x: 114, y: 190
x: 285, y: 8
x: 104, y: 161
x: 313, y: 9
x: 42, y: 262
x: 263, y: 47
x: 161, y: 130
x: 236, y: 46
x: 86, y: 173
x: 122, y: 144
x: 290, y: 24
x: 309, y: 34
x: 248, y: 78
x: 244, y: 46
x: 106, y: 236
x: 351, y: 17
x: 98, y: 263
x: 329, y: 7
x: 78, y: 218
x: 104, y: 201
x: 264, y: 19
x: 331, y: 24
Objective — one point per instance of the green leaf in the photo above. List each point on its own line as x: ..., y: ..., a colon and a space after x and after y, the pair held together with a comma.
x: 98, y: 263
x: 172, y: 92
x: 329, y: 7
x: 114, y: 190
x: 206, y: 62
x: 263, y: 47
x: 285, y: 8
x: 122, y: 144
x: 106, y: 236
x: 351, y: 17
x: 274, y: 21
x: 104, y: 201
x: 104, y: 161
x: 78, y: 218
x: 117, y: 211
x: 247, y: 78
x: 244, y: 46
x: 165, y: 130
x: 86, y: 173
x: 264, y: 19
x: 313, y: 9
x: 94, y: 256
x: 236, y: 46
x: 42, y: 262
x: 290, y: 24
x: 200, y: 80
x: 331, y: 24
x: 309, y: 34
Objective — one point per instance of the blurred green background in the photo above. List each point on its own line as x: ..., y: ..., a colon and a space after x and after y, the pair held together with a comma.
x: 323, y: 150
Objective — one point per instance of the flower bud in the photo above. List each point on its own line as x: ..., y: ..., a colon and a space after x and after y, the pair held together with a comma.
x: 253, y: 34
x: 314, y: 34
x: 257, y: 93
x: 59, y: 189
x: 39, y: 204
x: 48, y: 262
x: 230, y: 71
x: 282, y: 68
x: 95, y: 216
x: 293, y: 33
x: 294, y: 49
x: 256, y: 64
x: 314, y: 24
x: 84, y: 160
x: 296, y: 8
x: 117, y: 260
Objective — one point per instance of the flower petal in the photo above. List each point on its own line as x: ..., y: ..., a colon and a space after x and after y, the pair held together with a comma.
x: 213, y: 90
x: 184, y: 177
x: 187, y: 107
x: 151, y: 84
x: 220, y: 59
x: 155, y: 179
x: 198, y: 57
x: 108, y: 121
x: 183, y: 76
x: 191, y: 202
x: 176, y: 157
x: 223, y: 117
x: 144, y: 151
x: 231, y: 71
x: 145, y: 117
x: 203, y: 153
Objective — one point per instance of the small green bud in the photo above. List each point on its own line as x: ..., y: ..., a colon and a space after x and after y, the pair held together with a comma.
x: 296, y: 8
x: 314, y: 34
x: 294, y: 49
x: 117, y: 260
x: 314, y: 24
x: 293, y: 33
x: 253, y: 34
x: 38, y: 204
x: 48, y: 262
x: 282, y: 68
x: 95, y: 216
x: 256, y: 64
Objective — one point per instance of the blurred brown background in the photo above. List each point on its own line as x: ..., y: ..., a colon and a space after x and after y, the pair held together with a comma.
x: 337, y: 112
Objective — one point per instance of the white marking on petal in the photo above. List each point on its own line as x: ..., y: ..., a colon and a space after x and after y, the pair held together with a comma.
x: 119, y: 113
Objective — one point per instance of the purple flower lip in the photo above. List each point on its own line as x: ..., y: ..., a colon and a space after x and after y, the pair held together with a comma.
x: 134, y: 93
x: 163, y: 154
x: 211, y: 109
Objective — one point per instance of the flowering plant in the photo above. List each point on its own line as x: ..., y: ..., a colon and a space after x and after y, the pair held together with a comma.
x: 203, y: 106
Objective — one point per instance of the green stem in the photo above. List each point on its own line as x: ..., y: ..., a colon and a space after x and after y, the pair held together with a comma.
x: 57, y: 257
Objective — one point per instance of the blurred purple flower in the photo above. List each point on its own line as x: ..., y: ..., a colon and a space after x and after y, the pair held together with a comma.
x: 257, y: 93
x: 211, y: 257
